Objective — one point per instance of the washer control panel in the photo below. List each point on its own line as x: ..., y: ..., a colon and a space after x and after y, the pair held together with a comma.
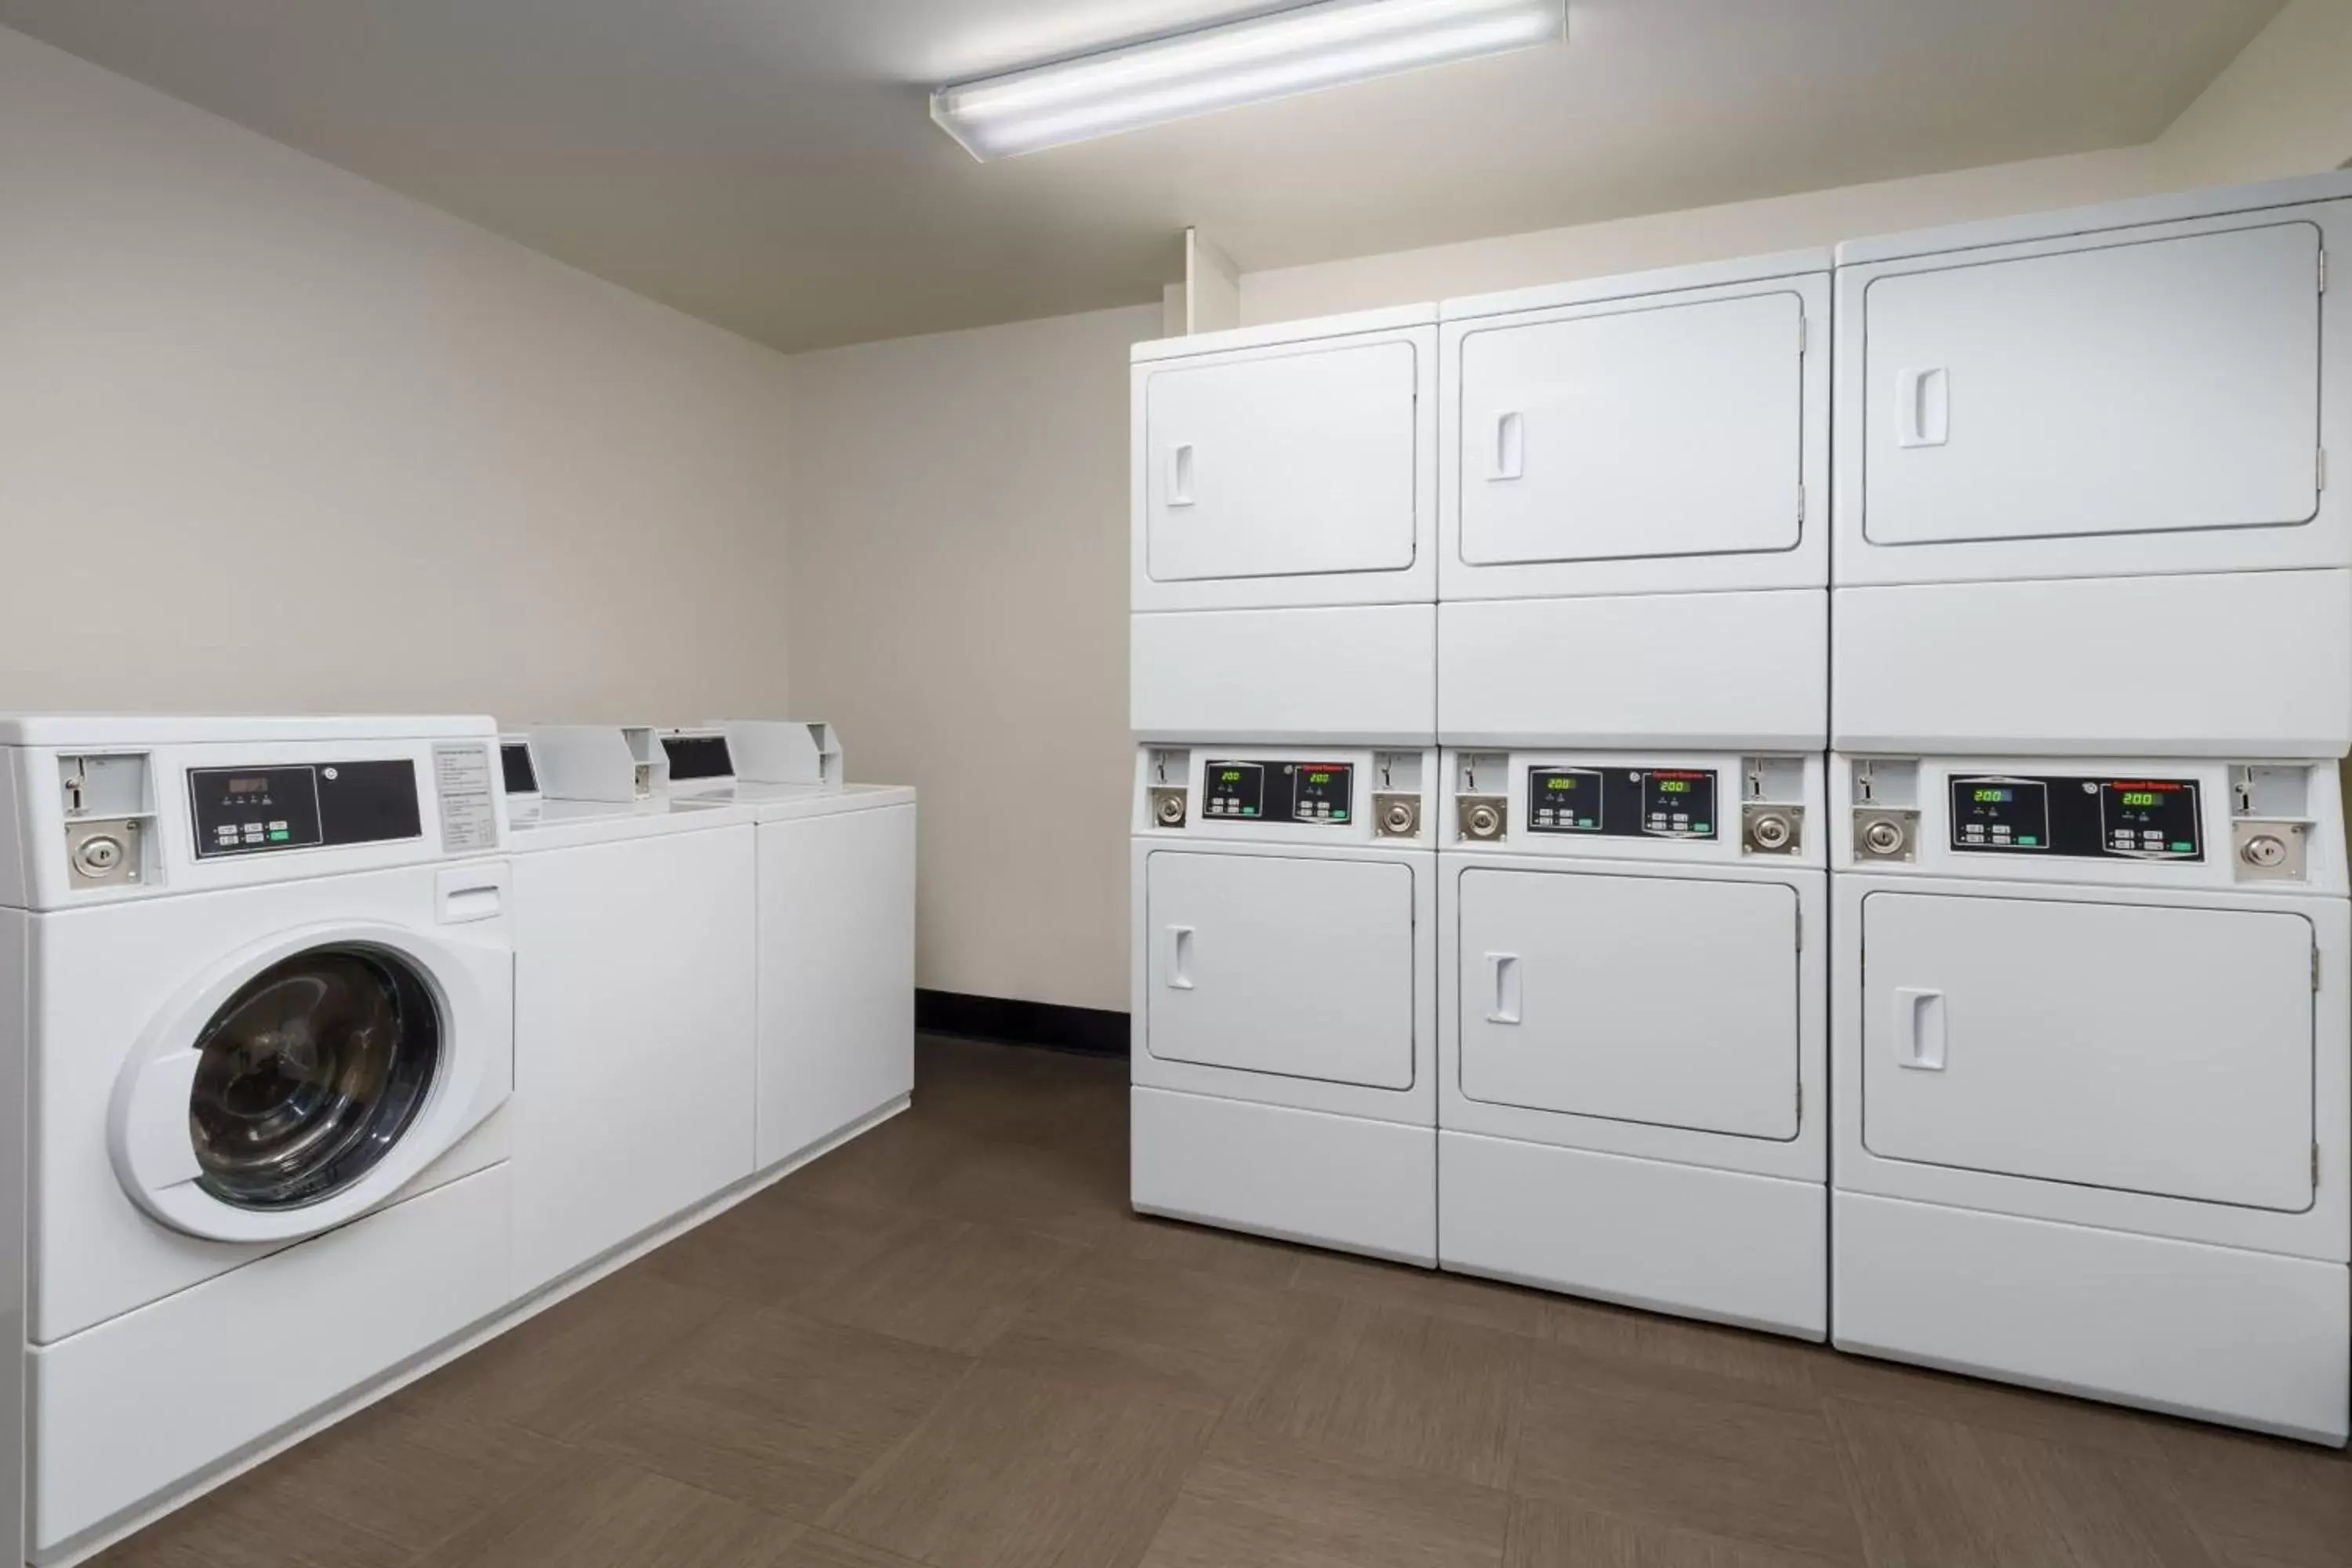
x: 1303, y: 792
x: 2096, y: 819
x: 1622, y: 802
x: 257, y: 810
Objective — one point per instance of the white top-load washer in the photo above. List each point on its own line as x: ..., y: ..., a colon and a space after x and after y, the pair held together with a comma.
x: 2082, y: 498
x: 634, y: 921
x: 1633, y: 539
x: 1284, y: 930
x: 2092, y: 1087
x: 835, y: 884
x: 1284, y: 508
x: 256, y: 987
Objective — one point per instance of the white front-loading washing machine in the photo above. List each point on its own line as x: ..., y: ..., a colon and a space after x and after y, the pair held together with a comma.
x: 1284, y: 524
x: 2090, y: 1078
x: 1633, y: 1032
x: 835, y: 894
x: 258, y: 1007
x: 2076, y: 449
x: 634, y: 921
x: 1633, y: 539
x: 1283, y: 1013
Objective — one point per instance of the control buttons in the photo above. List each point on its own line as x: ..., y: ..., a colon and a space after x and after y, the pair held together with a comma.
x: 1168, y: 809
x: 1479, y: 819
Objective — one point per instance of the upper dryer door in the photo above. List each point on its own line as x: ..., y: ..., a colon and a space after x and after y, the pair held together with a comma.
x: 1296, y: 475
x: 1656, y: 430
x: 2139, y: 402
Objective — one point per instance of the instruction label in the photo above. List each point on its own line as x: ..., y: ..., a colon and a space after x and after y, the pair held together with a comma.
x: 469, y: 812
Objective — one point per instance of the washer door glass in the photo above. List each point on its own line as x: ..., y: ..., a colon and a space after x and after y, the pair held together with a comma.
x: 308, y: 1075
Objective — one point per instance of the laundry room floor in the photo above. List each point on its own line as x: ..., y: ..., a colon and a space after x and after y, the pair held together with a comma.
x: 950, y: 1343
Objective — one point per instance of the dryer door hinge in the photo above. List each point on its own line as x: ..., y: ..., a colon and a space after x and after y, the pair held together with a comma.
x: 2315, y: 969
x: 1800, y: 932
x: 2319, y: 470
x: 1800, y: 315
x: 2323, y: 272
x: 1800, y: 1105
x: 2315, y: 1167
x: 1800, y: 503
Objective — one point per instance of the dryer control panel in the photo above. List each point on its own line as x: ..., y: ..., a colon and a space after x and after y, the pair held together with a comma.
x: 2129, y: 819
x: 1622, y: 802
x: 1293, y: 790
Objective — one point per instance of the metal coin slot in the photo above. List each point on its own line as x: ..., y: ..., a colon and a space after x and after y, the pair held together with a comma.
x: 2270, y: 851
x: 103, y: 853
x: 1396, y: 816
x: 1480, y: 817
x: 1772, y: 830
x: 1885, y: 835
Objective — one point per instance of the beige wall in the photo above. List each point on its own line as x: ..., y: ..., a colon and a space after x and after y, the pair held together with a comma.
x: 959, y: 609
x: 273, y: 438
x: 2282, y: 107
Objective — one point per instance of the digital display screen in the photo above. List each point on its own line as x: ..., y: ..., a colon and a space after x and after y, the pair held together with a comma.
x: 257, y: 784
x: 1994, y: 796
x: 1674, y: 786
x: 2090, y: 818
x: 2138, y: 797
x: 514, y: 761
x: 1562, y: 783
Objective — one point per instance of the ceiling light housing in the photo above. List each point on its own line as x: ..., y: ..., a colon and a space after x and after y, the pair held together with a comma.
x: 1249, y: 61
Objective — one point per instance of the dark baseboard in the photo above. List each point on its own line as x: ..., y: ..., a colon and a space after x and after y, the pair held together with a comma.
x: 1095, y: 1031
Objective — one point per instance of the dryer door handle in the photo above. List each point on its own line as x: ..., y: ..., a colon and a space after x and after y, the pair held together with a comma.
x: 1503, y: 987
x: 1179, y: 958
x: 1180, y: 474
x: 1919, y: 1028
x: 1511, y: 447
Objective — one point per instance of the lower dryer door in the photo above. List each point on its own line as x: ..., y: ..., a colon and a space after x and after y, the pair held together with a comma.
x: 1663, y: 1000
x: 1295, y: 966
x: 2140, y: 1048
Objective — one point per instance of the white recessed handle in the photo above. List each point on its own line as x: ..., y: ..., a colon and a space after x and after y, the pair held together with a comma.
x: 1922, y: 408
x: 1919, y: 1028
x: 1179, y: 475
x: 1510, y: 447
x: 1503, y: 987
x: 1179, y: 958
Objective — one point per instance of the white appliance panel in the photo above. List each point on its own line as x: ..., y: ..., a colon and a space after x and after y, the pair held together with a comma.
x: 2219, y: 1334
x: 1353, y: 674
x: 2120, y: 666
x: 1660, y: 430
x: 836, y: 968
x: 1302, y: 462
x: 1672, y: 1002
x: 2161, y: 1050
x: 2145, y: 386
x: 1302, y: 968
x: 1728, y: 669
x: 634, y: 1040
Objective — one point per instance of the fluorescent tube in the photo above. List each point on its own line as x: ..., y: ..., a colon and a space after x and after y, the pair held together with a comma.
x: 1297, y: 51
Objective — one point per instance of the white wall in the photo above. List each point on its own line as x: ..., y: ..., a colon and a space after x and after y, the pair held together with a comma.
x: 959, y: 609
x: 273, y: 438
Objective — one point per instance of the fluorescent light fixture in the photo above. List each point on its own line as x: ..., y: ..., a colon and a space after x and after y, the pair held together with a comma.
x: 1248, y: 61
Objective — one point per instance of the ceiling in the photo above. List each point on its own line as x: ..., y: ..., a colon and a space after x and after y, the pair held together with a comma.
x: 770, y: 164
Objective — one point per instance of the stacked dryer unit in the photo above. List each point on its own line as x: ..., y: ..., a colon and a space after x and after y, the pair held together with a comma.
x: 1633, y: 658
x: 1284, y: 526
x: 2093, y: 677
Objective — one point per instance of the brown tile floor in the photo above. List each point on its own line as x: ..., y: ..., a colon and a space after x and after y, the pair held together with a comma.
x: 951, y: 1344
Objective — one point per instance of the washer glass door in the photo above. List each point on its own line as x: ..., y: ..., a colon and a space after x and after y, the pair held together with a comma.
x: 309, y: 1073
